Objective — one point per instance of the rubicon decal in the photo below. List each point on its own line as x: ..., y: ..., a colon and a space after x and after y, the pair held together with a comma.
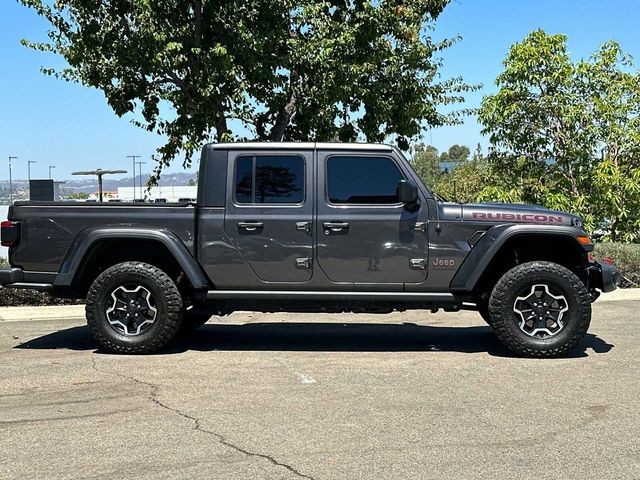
x: 519, y: 217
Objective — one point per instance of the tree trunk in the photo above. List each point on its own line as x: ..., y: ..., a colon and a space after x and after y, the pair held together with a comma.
x: 221, y: 128
x: 283, y: 118
x: 614, y: 230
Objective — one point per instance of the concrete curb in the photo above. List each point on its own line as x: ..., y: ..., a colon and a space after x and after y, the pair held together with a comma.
x: 58, y: 312
x: 620, y: 294
x: 51, y: 312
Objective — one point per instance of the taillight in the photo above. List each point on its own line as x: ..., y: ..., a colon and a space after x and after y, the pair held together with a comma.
x: 8, y: 233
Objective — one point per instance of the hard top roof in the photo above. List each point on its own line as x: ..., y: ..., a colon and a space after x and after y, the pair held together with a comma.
x: 299, y: 146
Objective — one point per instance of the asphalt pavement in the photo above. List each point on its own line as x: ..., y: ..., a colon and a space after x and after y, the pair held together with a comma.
x: 408, y: 395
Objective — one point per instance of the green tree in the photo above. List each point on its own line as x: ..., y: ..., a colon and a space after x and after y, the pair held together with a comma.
x: 426, y: 163
x: 79, y: 196
x: 615, y: 94
x: 286, y: 70
x: 466, y: 182
x: 565, y: 134
x: 458, y: 153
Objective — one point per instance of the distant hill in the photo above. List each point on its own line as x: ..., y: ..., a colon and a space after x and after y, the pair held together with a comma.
x: 89, y: 184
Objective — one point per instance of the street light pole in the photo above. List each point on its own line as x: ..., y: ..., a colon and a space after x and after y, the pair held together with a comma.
x: 29, y: 170
x: 50, y: 167
x: 140, y: 176
x: 10, y: 179
x: 133, y: 158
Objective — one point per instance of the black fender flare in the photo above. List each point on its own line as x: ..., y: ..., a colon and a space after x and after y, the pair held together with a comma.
x: 90, y: 236
x: 489, y: 245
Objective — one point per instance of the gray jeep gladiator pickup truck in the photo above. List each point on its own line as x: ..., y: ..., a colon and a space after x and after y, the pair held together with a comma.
x: 308, y: 227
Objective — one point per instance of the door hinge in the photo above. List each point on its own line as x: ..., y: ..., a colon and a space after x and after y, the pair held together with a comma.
x: 420, y: 227
x: 418, y: 263
x: 303, y: 262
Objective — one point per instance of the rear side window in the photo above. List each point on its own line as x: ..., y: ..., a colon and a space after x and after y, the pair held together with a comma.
x: 362, y: 180
x: 269, y: 179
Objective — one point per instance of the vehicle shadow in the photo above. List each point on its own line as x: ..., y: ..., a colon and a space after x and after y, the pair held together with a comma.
x: 320, y: 337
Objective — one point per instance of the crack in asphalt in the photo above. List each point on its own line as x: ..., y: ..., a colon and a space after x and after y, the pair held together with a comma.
x: 153, y: 396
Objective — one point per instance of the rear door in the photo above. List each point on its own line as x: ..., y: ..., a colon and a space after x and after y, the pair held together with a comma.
x: 365, y: 236
x: 269, y: 211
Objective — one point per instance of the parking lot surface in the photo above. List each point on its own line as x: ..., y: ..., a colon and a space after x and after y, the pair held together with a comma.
x: 286, y: 396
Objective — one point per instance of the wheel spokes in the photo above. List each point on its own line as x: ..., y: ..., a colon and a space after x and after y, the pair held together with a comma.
x: 131, y: 312
x: 539, y: 312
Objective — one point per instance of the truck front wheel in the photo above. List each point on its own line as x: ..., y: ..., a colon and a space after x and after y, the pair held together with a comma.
x: 133, y: 307
x: 540, y: 309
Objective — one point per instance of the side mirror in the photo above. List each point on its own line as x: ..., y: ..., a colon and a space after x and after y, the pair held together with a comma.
x: 407, y: 192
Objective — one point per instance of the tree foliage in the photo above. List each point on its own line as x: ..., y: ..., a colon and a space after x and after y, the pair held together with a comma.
x: 466, y: 182
x: 426, y: 163
x: 456, y: 153
x: 566, y: 134
x: 79, y: 195
x: 197, y: 70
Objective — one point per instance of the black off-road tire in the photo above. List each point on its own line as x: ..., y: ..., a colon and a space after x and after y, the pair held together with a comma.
x: 576, y: 320
x: 166, y: 298
x: 483, y: 310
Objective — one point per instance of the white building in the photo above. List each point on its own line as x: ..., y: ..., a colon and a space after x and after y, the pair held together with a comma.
x: 171, y: 193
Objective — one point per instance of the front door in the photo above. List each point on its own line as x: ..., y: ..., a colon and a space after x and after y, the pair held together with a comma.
x: 364, y: 235
x: 269, y: 212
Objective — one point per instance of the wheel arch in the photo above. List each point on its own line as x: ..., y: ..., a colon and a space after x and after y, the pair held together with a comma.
x: 505, y: 246
x: 98, y: 248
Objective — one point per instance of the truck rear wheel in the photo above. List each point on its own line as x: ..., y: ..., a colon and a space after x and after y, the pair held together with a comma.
x: 133, y: 307
x: 540, y: 309
x: 483, y: 310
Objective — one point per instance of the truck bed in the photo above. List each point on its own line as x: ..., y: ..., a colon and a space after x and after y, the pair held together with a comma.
x: 47, y: 229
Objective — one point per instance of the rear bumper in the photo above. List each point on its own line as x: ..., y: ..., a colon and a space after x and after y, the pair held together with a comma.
x: 11, y: 275
x: 18, y: 278
x: 604, y: 277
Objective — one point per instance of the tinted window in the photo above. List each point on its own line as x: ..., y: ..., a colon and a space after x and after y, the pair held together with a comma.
x: 269, y: 179
x: 362, y: 180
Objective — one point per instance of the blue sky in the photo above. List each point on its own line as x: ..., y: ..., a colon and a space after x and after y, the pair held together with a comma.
x: 71, y: 126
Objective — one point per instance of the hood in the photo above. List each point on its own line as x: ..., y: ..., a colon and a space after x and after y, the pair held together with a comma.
x: 517, y: 213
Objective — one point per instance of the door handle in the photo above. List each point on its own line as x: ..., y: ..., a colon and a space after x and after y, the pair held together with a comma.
x: 303, y: 226
x: 335, y: 226
x: 250, y: 226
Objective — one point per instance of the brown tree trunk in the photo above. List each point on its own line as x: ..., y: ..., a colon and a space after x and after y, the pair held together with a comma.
x: 197, y: 20
x: 614, y: 231
x: 284, y: 117
x: 221, y: 128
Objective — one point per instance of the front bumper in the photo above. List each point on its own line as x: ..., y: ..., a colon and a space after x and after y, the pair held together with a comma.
x: 603, y: 276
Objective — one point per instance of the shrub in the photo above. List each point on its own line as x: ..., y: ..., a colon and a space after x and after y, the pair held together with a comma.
x: 13, y: 297
x: 626, y: 257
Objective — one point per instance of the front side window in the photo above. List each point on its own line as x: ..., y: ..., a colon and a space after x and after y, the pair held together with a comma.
x: 269, y: 179
x: 362, y: 180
